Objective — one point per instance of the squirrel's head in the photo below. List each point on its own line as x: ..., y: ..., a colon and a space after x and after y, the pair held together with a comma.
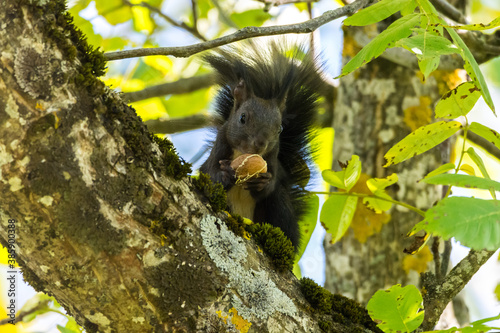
x: 254, y: 124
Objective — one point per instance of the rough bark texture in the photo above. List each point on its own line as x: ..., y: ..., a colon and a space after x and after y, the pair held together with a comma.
x: 376, y: 107
x: 107, y: 221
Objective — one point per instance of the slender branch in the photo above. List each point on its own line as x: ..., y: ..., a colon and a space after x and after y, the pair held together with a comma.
x: 450, y: 11
x: 437, y: 257
x: 181, y: 86
x: 363, y: 195
x: 245, y: 33
x: 195, y: 15
x: 488, y: 147
x: 445, y: 258
x: 439, y: 294
x: 176, y: 125
x: 192, y: 30
x: 22, y: 314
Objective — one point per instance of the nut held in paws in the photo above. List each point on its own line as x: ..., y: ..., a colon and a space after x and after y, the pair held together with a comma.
x: 247, y: 166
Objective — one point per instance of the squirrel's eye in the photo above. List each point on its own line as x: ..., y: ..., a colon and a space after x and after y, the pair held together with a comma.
x: 281, y: 129
x: 242, y: 118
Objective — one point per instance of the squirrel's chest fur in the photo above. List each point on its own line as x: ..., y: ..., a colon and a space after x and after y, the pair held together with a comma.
x: 241, y: 202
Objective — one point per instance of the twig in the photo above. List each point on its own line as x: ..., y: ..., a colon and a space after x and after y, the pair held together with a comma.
x: 20, y: 315
x: 445, y: 258
x: 245, y: 33
x: 364, y: 195
x: 195, y: 15
x: 192, y: 30
x: 181, y: 86
x: 440, y: 293
x: 437, y: 258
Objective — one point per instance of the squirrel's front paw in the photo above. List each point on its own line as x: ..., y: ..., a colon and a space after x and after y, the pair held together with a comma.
x: 258, y: 183
x: 228, y: 174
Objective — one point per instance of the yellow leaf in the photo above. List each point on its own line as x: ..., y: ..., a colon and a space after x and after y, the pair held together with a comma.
x: 418, y: 262
x: 142, y: 20
x: 421, y: 140
x: 162, y: 63
x: 323, y: 144
x: 151, y: 108
x: 467, y: 169
x: 366, y: 222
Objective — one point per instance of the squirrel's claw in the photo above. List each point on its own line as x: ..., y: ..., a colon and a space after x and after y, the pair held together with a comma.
x: 258, y: 183
x: 228, y: 174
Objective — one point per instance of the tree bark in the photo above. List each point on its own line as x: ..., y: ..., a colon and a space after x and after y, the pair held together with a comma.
x: 106, y: 219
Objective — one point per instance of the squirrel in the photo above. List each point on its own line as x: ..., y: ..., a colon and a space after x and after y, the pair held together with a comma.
x: 266, y: 105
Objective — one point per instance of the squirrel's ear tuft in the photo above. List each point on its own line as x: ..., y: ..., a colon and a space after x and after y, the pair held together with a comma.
x: 241, y: 92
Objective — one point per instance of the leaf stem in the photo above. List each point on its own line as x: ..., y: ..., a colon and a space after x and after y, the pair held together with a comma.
x: 462, y: 153
x: 363, y: 195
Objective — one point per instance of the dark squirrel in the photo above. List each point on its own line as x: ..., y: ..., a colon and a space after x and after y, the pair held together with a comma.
x: 266, y: 106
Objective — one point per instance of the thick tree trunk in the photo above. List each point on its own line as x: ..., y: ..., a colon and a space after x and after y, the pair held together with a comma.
x: 107, y: 220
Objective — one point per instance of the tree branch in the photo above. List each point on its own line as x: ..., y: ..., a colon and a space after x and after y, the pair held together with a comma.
x: 180, y: 86
x: 439, y: 294
x: 450, y: 11
x: 245, y: 33
x: 489, y: 147
x: 177, y: 125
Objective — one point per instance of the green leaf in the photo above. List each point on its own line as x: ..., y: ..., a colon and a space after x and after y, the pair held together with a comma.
x: 253, y: 17
x: 472, y: 68
x: 401, y: 28
x: 85, y: 26
x: 397, y: 309
x: 187, y: 104
x: 72, y: 325
x: 307, y: 223
x: 409, y: 8
x: 473, y: 222
x: 376, y: 13
x: 377, y: 187
x: 427, y: 8
x: 478, y: 26
x: 114, y: 11
x: 334, y: 178
x: 442, y: 169
x: 458, y: 102
x: 352, y: 172
x: 66, y: 330
x: 377, y: 205
x: 478, y: 161
x: 466, y: 181
x: 486, y: 132
x: 379, y: 184
x: 113, y: 43
x: 428, y: 65
x: 336, y: 214
x: 421, y: 140
x: 427, y: 45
